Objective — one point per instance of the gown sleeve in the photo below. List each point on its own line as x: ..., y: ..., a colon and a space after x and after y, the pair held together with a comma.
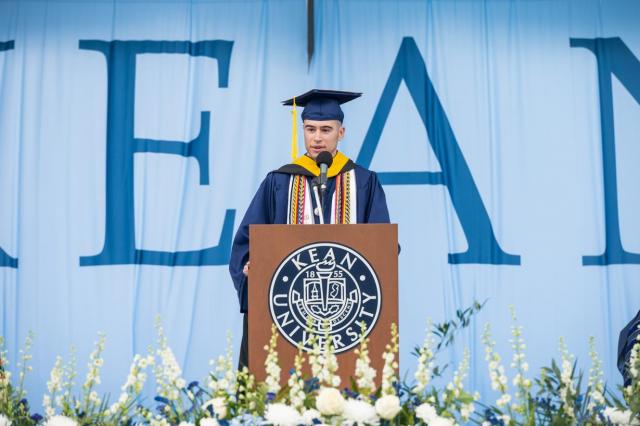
x: 260, y: 211
x: 376, y: 211
x: 626, y: 341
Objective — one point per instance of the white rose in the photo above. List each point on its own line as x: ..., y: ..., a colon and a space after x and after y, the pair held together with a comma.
x: 309, y: 416
x: 388, y: 406
x: 360, y: 412
x: 426, y: 412
x: 4, y: 420
x: 219, y: 405
x: 186, y: 424
x: 279, y: 414
x: 330, y: 402
x: 61, y: 421
x: 209, y: 422
x: 617, y: 417
x: 441, y: 421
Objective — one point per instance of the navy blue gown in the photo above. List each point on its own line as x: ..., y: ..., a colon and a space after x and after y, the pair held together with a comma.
x: 270, y: 206
x: 626, y: 341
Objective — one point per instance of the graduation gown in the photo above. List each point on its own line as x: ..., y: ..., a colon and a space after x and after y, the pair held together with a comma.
x: 627, y: 339
x: 271, y: 201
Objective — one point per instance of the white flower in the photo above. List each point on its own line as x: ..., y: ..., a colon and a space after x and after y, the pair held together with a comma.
x: 60, y: 421
x: 279, y: 414
x: 390, y: 364
x: 219, y: 405
x: 360, y: 413
x: 618, y: 417
x: 388, y: 406
x: 330, y: 401
x: 208, y: 422
x: 309, y: 416
x: 365, y: 373
x: 4, y: 421
x: 323, y: 361
x: 466, y: 411
x: 186, y: 424
x: 567, y: 387
x: 296, y: 384
x: 503, y: 400
x: 425, y: 362
x: 271, y: 363
x: 441, y: 421
x: 426, y: 412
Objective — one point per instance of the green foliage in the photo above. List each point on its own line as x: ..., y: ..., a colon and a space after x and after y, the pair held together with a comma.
x: 446, y: 331
x: 13, y: 402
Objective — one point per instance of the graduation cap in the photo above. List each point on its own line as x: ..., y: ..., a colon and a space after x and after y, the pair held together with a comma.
x: 320, y: 105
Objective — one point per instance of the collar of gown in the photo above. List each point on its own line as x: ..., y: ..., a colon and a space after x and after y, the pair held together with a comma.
x: 339, y: 162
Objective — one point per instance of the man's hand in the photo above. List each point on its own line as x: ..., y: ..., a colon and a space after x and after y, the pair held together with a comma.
x: 245, y: 270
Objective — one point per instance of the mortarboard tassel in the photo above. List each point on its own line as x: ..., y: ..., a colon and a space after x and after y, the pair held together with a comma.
x: 294, y: 132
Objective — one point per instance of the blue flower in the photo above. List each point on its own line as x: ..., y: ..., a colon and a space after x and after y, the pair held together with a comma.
x: 579, y: 401
x: 311, y: 385
x: 491, y: 417
x: 398, y: 388
x: 350, y: 393
x: 246, y: 420
x: 162, y: 399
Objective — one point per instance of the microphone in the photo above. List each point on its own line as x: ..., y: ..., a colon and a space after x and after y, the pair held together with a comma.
x: 324, y: 160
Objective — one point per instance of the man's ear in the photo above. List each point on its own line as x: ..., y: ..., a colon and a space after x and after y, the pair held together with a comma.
x: 341, y: 131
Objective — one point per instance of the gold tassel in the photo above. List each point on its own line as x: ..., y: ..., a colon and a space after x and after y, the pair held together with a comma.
x: 294, y: 132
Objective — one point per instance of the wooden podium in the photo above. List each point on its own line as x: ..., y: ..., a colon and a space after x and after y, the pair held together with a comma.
x: 339, y: 275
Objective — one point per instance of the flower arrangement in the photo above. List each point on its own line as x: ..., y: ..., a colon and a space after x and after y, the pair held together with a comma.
x: 13, y: 403
x: 228, y: 397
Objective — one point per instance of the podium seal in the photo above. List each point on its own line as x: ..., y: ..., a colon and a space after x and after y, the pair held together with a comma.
x: 324, y: 286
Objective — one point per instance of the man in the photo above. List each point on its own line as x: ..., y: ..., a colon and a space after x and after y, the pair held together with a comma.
x: 628, y: 338
x: 287, y: 195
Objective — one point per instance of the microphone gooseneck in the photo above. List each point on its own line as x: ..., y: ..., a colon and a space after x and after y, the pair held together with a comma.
x: 324, y: 161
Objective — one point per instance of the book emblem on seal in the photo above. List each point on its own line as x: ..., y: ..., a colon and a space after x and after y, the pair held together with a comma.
x: 324, y: 288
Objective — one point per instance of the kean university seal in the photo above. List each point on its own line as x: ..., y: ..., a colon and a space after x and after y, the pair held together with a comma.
x: 324, y: 286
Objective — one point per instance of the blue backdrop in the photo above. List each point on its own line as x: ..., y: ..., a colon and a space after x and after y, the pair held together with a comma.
x: 133, y: 135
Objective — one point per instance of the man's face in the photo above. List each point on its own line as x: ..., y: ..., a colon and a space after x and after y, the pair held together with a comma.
x: 322, y: 136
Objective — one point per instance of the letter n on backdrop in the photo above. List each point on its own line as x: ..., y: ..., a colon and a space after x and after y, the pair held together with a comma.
x: 613, y: 58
